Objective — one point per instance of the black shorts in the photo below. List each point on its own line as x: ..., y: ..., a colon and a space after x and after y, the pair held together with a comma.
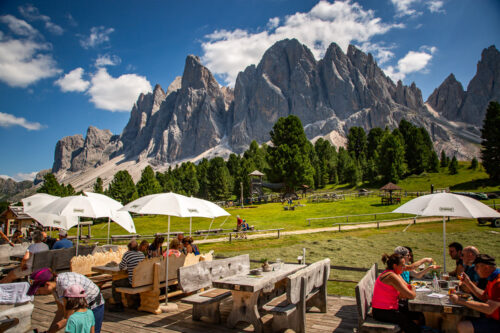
x: 485, y: 325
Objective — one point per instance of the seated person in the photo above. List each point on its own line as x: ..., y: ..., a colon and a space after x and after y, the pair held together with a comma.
x: 189, y: 247
x: 455, y: 251
x: 245, y: 226
x: 174, y: 248
x: 469, y: 254
x: 411, y: 266
x: 389, y: 289
x: 489, y: 303
x: 130, y: 260
x: 63, y: 242
x: 48, y: 240
x: 155, y: 249
x: 27, y: 261
x: 17, y: 237
x: 143, y: 247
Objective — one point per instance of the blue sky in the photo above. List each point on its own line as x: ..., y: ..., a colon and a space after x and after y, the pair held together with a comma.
x: 66, y: 65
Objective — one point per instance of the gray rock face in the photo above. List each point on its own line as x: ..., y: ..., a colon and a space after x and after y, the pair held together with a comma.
x: 447, y: 99
x: 331, y: 95
x: 483, y: 88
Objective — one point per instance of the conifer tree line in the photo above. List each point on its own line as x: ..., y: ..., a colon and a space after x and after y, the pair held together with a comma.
x: 376, y: 157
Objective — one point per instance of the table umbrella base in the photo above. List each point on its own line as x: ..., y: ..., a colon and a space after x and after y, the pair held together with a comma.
x: 169, y: 307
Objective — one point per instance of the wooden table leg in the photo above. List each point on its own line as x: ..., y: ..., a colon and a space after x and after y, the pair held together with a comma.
x: 245, y: 309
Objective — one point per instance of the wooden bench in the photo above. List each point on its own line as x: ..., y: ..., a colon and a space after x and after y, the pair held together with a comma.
x: 149, y: 277
x: 59, y: 260
x: 197, y: 277
x: 304, y: 289
x: 364, y: 294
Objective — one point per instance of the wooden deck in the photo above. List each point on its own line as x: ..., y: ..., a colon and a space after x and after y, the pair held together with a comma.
x: 341, y: 317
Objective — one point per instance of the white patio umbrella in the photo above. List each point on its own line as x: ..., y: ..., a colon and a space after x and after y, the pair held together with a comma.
x: 36, y: 201
x: 77, y: 206
x: 446, y: 204
x: 122, y: 218
x: 170, y: 204
x: 33, y: 203
x: 207, y: 209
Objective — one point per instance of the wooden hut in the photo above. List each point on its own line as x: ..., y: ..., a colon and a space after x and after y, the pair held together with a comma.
x: 14, y: 218
x: 387, y: 194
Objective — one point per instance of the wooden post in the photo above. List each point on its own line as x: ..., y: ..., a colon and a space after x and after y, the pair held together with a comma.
x: 230, y: 234
x: 278, y: 233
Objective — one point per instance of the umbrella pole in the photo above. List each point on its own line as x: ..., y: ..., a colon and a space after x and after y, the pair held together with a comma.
x: 168, y: 307
x: 109, y: 224
x: 190, y: 225
x: 77, y: 235
x: 444, y: 244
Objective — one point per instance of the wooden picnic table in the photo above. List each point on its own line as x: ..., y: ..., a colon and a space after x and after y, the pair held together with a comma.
x: 115, y: 271
x: 17, y: 257
x: 440, y: 313
x: 246, y: 290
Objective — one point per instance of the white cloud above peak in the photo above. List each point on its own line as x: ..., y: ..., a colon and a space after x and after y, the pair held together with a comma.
x: 19, y: 27
x: 226, y: 53
x: 107, y: 60
x: 73, y: 81
x: 116, y: 94
x: 412, y: 62
x: 9, y: 120
x: 98, y: 35
x: 32, y: 13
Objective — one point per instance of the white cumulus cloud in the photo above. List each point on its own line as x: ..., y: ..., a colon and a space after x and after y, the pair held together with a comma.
x: 19, y: 27
x: 412, y: 62
x: 435, y: 6
x: 226, y: 53
x: 8, y: 120
x: 73, y: 81
x: 98, y: 36
x: 20, y: 176
x: 22, y: 62
x: 31, y: 13
x: 414, y: 7
x: 116, y: 94
x: 107, y: 60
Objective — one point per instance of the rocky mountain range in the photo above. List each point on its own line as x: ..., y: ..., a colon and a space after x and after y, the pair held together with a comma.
x: 196, y: 117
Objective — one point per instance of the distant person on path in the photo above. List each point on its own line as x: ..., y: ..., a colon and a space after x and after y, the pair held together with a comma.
x: 130, y: 260
x: 81, y: 319
x: 44, y: 282
x: 489, y: 303
x: 155, y: 249
x: 63, y: 242
x: 27, y: 261
x: 389, y: 288
x: 239, y: 226
x: 455, y: 251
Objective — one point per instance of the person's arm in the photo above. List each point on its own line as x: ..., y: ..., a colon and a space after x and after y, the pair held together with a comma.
x: 123, y: 263
x: 397, y: 282
x: 479, y: 293
x: 92, y: 329
x: 420, y: 274
x: 25, y: 259
x: 460, y: 269
x: 413, y: 266
x: 59, y: 322
x: 487, y: 308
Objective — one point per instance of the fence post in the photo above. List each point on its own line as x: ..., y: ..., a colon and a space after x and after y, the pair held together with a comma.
x: 415, y: 220
x: 374, y: 216
x: 230, y: 234
x: 347, y: 219
x: 278, y: 233
x: 309, y: 222
x: 378, y: 227
x: 339, y: 226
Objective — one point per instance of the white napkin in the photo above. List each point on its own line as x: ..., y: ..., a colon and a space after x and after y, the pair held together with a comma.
x: 422, y: 289
x: 12, y: 293
x: 436, y: 295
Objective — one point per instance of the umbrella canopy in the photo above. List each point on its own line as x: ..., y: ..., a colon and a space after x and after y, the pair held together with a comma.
x: 208, y: 209
x: 54, y: 221
x: 36, y: 201
x: 122, y: 218
x: 390, y: 187
x: 446, y: 204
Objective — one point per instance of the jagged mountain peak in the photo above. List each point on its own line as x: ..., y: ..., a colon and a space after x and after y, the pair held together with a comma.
x: 197, y: 76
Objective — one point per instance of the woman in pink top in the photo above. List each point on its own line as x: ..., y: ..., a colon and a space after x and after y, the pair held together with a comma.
x: 389, y: 288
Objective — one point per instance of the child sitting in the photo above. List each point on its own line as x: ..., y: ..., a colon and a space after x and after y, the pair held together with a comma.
x: 81, y: 319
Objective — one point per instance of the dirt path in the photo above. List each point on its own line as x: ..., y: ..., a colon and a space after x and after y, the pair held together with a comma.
x: 328, y: 229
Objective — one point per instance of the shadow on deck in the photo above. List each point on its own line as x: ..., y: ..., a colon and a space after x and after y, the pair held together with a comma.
x: 341, y: 317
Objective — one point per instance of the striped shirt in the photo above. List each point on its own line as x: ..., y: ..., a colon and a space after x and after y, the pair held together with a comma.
x: 130, y: 260
x: 65, y: 280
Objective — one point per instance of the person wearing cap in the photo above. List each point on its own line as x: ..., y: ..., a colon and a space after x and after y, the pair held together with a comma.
x: 80, y: 318
x: 490, y: 297
x: 63, y: 242
x: 44, y: 282
x: 27, y: 261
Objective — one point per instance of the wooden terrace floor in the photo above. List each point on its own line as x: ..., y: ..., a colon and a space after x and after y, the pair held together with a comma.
x: 341, y: 317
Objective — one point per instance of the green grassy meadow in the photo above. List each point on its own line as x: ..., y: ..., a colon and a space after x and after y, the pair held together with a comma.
x: 359, y: 248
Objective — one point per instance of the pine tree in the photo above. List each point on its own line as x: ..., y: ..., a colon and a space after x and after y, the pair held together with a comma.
x: 433, y: 162
x: 490, y: 133
x: 444, y: 159
x: 392, y: 165
x: 356, y: 141
x: 51, y: 185
x: 375, y: 136
x: 190, y: 183
x: 289, y: 157
x: 474, y: 163
x: 453, y: 168
x: 148, y: 184
x: 220, y: 182
x: 122, y: 187
x: 98, y: 186
x: 202, y: 172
